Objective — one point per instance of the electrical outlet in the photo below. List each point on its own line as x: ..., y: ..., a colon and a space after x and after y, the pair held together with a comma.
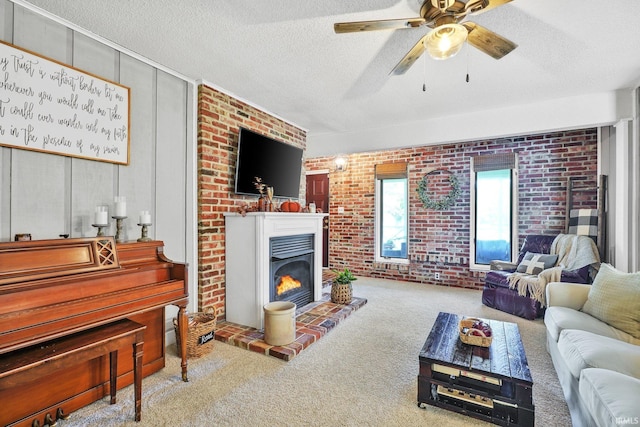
x: 437, y: 276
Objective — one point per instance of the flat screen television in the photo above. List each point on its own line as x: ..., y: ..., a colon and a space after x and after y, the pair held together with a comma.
x: 277, y: 163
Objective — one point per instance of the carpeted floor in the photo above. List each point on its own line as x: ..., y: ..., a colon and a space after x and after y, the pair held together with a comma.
x: 362, y: 373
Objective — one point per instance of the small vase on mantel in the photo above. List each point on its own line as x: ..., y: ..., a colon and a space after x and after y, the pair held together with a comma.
x: 270, y: 199
x: 263, y: 203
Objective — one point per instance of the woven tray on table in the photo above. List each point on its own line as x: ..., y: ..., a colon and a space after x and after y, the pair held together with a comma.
x: 201, y: 332
x: 466, y: 336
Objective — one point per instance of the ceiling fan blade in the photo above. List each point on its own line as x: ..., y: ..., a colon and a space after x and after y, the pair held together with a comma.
x: 474, y: 7
x: 384, y: 24
x: 411, y: 57
x: 487, y: 41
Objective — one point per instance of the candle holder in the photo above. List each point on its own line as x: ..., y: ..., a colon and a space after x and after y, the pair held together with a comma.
x: 119, y: 220
x: 100, y: 228
x: 143, y: 237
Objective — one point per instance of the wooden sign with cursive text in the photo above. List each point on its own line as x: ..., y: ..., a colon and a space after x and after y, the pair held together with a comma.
x: 50, y: 107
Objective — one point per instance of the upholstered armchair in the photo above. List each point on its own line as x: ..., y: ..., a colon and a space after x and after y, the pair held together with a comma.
x: 522, y: 293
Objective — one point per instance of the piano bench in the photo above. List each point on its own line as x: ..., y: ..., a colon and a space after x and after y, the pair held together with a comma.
x: 31, y: 363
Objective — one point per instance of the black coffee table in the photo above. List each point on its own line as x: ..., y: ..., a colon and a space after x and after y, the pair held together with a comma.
x: 493, y: 384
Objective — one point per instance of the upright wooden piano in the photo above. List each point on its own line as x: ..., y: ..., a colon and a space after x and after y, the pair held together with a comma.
x: 53, y: 288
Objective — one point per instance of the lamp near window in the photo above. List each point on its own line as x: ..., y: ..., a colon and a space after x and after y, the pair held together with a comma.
x: 445, y: 41
x: 341, y: 164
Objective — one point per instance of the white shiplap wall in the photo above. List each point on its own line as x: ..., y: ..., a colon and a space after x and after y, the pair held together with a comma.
x: 48, y: 195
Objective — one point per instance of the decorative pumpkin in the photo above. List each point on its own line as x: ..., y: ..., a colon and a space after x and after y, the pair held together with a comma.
x: 290, y: 206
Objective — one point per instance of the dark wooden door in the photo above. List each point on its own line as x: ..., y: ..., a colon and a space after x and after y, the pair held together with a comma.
x: 318, y: 193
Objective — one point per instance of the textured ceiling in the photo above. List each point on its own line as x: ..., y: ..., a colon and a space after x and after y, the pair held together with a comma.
x: 283, y: 55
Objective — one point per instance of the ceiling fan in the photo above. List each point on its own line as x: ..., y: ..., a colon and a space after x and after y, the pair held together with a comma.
x: 448, y: 32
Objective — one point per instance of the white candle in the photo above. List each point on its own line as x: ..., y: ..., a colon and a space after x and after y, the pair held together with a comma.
x: 101, y: 215
x: 121, y: 206
x: 145, y: 217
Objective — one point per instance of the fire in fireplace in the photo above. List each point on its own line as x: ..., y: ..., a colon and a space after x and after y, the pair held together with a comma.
x: 287, y: 283
x: 292, y: 269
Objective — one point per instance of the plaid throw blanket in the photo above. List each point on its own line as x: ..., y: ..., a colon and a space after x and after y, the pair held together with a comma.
x: 584, y: 222
x: 573, y: 252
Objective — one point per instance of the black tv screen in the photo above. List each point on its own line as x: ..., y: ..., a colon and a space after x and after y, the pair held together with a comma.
x: 278, y: 164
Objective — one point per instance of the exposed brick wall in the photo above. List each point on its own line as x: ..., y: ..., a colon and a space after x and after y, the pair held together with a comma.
x: 219, y: 118
x: 439, y: 240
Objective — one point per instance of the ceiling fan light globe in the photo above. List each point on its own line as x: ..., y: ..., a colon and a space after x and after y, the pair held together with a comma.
x: 445, y: 41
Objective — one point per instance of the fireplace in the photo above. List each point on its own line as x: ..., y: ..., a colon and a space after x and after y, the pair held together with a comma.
x: 291, y: 270
x: 261, y: 248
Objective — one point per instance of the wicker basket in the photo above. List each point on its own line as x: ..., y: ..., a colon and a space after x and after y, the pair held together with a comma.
x: 201, y: 332
x: 341, y: 293
x: 466, y: 326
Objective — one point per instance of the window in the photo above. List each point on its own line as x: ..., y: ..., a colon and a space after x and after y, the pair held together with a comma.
x: 392, y: 219
x: 494, y: 213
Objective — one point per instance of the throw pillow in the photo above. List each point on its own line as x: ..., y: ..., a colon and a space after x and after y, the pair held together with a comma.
x: 614, y: 298
x: 533, y: 263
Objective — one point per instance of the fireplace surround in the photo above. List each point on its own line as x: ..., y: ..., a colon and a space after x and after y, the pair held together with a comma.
x: 251, y: 268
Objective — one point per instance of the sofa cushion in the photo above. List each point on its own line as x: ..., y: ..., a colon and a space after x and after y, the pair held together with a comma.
x: 560, y: 318
x: 534, y: 263
x: 581, y: 350
x: 614, y: 298
x: 610, y: 396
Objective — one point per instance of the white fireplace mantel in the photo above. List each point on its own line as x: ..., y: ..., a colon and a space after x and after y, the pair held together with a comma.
x: 247, y: 259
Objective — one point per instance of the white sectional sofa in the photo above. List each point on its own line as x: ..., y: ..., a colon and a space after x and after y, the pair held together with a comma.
x: 598, y: 362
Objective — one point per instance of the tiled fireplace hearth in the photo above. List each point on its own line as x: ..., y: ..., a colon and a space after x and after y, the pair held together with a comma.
x: 260, y: 248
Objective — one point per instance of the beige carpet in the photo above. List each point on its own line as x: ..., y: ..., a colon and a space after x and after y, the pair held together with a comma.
x: 362, y: 373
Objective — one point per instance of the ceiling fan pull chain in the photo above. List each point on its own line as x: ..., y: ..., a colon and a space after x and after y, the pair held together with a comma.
x: 468, y: 60
x: 424, y: 69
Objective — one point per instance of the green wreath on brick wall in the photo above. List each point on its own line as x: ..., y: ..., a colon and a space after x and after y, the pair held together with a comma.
x: 445, y: 202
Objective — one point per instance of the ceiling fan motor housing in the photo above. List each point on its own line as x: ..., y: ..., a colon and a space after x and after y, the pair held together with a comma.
x: 432, y: 10
x: 442, y: 4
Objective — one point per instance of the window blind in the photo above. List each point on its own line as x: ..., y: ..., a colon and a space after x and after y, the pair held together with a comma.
x: 391, y: 170
x: 491, y: 162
